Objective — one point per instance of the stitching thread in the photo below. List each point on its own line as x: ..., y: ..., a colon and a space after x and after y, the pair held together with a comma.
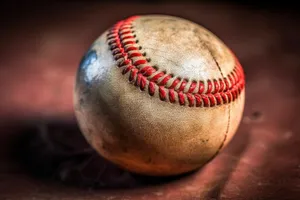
x: 128, y: 55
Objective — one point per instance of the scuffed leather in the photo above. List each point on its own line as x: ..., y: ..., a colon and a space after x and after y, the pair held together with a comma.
x: 140, y: 132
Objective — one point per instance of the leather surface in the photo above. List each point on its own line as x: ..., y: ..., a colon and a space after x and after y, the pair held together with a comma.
x: 140, y: 132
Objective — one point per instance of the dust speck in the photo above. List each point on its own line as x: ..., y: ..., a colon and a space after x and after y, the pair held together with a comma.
x: 287, y: 135
x: 158, y: 193
x: 256, y: 115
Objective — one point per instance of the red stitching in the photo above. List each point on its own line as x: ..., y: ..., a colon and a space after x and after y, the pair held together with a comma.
x: 165, y: 80
x: 182, y: 86
x: 181, y: 98
x: 157, y: 76
x: 175, y: 82
x: 201, y: 87
x: 143, y: 82
x: 151, y: 88
x: 192, y: 87
x: 209, y: 87
x: 198, y: 100
x: 171, y: 95
x: 125, y: 50
x: 162, y: 93
x: 191, y: 99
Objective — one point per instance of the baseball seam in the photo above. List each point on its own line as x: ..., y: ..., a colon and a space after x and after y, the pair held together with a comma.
x: 229, y: 109
x: 202, y: 93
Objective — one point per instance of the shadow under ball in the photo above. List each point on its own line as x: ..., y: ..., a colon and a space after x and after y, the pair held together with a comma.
x: 159, y: 95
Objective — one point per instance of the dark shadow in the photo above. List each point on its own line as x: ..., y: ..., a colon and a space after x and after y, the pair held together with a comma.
x: 56, y: 150
x: 228, y: 164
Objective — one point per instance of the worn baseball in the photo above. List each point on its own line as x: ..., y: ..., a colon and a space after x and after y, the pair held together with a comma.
x: 159, y: 95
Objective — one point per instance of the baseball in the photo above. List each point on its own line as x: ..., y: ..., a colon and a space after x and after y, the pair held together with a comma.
x: 159, y: 95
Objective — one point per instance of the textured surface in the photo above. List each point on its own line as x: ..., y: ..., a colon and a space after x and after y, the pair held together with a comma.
x: 262, y: 161
x: 143, y: 131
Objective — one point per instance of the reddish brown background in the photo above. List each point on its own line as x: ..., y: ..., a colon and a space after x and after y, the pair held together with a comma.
x: 41, y: 46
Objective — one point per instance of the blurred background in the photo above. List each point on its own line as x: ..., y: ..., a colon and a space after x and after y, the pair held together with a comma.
x: 41, y: 45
